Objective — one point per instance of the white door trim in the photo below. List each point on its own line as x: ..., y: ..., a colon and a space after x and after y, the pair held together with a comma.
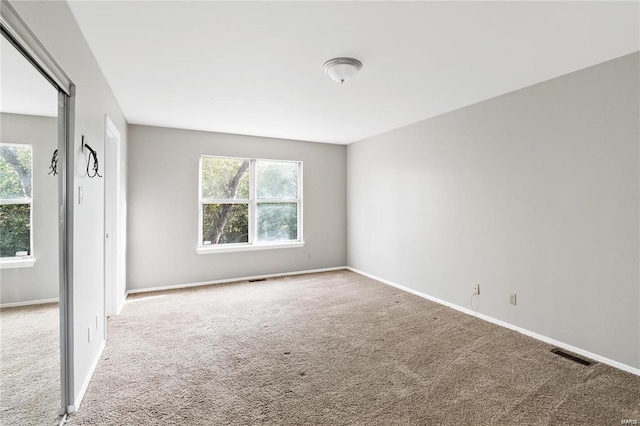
x: 114, y: 228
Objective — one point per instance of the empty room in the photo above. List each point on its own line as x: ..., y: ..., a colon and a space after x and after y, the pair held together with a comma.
x: 335, y: 212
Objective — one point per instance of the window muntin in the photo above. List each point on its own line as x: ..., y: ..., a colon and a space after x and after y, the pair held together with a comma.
x: 249, y: 202
x: 16, y: 181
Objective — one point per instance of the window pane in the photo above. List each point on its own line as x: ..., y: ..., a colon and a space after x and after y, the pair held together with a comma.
x: 15, y: 172
x: 276, y: 179
x: 225, y: 223
x: 225, y: 178
x: 277, y: 221
x: 15, y: 226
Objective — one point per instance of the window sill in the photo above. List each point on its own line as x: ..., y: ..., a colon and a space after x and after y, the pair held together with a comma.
x: 228, y: 248
x: 17, y: 262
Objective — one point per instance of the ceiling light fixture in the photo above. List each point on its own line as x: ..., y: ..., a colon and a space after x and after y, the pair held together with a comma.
x: 342, y: 69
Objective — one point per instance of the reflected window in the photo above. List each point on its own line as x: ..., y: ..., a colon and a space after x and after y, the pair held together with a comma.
x: 15, y: 200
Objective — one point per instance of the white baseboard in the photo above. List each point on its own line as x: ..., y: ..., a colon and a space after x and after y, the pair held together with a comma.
x: 28, y: 302
x: 526, y: 332
x: 76, y: 405
x: 233, y: 280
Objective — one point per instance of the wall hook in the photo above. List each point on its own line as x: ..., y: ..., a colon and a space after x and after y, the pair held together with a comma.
x: 92, y: 155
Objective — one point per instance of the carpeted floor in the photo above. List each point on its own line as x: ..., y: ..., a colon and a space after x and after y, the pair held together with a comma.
x: 335, y: 348
x: 30, y: 365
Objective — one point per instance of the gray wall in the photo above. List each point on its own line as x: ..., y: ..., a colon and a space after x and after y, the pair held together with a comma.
x: 55, y: 26
x: 41, y: 281
x: 163, y: 207
x: 535, y: 192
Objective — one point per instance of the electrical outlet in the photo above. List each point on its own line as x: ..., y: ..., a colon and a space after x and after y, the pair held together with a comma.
x: 512, y: 299
x: 476, y: 289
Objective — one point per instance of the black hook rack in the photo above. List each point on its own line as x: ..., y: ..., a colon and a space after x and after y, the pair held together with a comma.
x: 92, y: 155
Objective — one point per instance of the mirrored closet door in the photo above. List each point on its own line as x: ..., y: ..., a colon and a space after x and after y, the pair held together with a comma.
x: 30, y: 388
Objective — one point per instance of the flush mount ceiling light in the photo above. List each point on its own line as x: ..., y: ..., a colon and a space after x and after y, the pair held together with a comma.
x: 342, y: 69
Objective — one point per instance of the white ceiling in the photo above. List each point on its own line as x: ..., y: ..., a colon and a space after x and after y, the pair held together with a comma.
x: 256, y: 67
x: 23, y: 89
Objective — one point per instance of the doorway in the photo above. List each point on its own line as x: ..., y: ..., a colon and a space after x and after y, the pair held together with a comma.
x: 115, y: 219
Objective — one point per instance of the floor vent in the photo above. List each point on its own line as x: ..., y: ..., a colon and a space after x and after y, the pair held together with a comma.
x: 257, y: 280
x: 571, y: 357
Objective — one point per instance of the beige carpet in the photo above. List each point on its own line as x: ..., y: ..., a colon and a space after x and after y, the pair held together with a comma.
x: 335, y: 348
x: 30, y: 365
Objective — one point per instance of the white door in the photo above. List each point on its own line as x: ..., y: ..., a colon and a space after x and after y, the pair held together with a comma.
x: 114, y: 218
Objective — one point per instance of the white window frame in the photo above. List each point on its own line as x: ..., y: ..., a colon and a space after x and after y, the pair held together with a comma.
x: 252, y: 202
x: 28, y: 261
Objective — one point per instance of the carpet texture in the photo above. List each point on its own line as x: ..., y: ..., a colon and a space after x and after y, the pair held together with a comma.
x: 335, y: 348
x: 30, y: 365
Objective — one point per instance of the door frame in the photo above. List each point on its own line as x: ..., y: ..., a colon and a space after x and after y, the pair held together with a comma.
x: 114, y: 221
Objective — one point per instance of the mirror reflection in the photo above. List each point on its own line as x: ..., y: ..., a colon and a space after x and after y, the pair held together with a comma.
x: 29, y: 245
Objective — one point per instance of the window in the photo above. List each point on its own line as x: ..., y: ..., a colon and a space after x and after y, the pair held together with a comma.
x: 249, y: 204
x: 15, y: 201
